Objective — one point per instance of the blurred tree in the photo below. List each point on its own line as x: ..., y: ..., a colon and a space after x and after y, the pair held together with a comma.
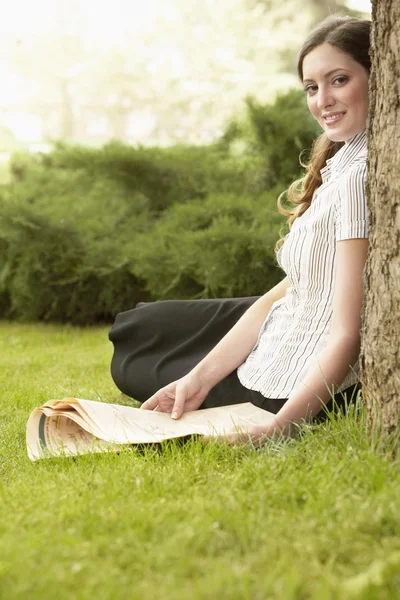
x: 319, y: 10
x: 193, y: 68
x: 48, y: 64
x: 167, y: 71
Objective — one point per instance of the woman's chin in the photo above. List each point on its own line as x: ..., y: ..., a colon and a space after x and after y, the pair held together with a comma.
x: 342, y: 134
x: 335, y: 137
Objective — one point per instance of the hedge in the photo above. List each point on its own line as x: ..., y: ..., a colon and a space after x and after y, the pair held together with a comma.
x: 86, y: 233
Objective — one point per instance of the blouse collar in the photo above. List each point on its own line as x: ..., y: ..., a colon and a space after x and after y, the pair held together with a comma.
x: 355, y: 149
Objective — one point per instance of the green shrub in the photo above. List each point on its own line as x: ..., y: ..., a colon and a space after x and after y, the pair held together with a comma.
x: 145, y: 178
x: 86, y: 233
x: 72, y: 195
x: 275, y: 134
x: 51, y: 271
x: 219, y: 247
x: 155, y: 178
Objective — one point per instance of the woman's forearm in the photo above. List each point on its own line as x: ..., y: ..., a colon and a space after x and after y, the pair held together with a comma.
x: 237, y: 344
x: 328, y: 370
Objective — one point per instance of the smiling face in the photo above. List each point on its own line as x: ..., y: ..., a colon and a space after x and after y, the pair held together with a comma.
x: 336, y: 85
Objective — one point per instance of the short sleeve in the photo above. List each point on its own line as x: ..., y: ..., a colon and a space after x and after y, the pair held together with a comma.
x: 351, y: 212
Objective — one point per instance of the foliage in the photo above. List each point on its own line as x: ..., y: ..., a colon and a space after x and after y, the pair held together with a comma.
x: 52, y: 271
x: 86, y: 233
x: 144, y: 178
x: 222, y: 246
x: 282, y: 131
x: 219, y: 247
x: 275, y: 134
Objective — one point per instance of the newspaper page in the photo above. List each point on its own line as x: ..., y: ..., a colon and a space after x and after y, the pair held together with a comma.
x: 74, y: 426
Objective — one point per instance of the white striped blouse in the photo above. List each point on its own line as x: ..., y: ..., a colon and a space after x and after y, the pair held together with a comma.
x: 297, y: 326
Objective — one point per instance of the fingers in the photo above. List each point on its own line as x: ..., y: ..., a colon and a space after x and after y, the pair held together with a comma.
x: 170, y: 399
x: 151, y: 403
x: 180, y: 398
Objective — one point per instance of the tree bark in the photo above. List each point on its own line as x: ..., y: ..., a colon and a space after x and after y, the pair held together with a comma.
x: 380, y: 356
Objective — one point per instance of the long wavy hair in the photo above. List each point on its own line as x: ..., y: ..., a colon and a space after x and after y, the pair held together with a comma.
x: 352, y: 36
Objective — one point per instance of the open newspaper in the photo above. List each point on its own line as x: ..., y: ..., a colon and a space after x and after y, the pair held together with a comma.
x: 73, y: 426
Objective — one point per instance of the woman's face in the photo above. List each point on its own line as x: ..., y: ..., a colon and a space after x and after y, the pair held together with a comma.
x: 336, y: 84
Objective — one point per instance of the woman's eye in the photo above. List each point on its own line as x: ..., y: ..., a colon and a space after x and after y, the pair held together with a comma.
x: 341, y: 79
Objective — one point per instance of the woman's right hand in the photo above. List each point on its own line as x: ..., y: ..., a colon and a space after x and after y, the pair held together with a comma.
x: 182, y: 395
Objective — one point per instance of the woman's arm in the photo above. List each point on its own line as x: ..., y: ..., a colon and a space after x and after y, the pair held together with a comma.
x: 237, y: 344
x: 189, y: 392
x: 333, y: 363
x: 342, y: 350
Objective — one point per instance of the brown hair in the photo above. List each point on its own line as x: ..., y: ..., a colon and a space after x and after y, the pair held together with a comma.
x: 352, y: 36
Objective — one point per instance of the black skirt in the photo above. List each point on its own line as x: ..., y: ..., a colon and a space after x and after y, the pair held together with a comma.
x: 159, y: 342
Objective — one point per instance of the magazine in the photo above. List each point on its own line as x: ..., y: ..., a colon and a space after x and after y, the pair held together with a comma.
x: 74, y: 426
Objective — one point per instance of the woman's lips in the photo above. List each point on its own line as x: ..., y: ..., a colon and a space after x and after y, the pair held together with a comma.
x: 331, y: 122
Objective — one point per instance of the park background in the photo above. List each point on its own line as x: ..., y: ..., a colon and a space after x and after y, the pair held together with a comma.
x: 143, y: 147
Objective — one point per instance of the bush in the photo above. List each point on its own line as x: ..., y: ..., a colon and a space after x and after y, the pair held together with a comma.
x: 145, y: 178
x: 86, y: 233
x: 153, y: 179
x: 275, y: 135
x: 52, y: 272
x: 220, y: 247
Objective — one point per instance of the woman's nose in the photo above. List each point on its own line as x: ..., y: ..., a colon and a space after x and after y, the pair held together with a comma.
x: 325, y: 98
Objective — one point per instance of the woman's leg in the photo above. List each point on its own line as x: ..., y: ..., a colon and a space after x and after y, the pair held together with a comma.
x: 159, y: 342
x: 231, y: 391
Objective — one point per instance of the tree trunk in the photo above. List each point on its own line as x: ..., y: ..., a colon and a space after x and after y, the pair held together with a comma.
x: 380, y: 356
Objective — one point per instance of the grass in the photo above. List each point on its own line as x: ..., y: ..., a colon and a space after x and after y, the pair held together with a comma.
x: 315, y: 518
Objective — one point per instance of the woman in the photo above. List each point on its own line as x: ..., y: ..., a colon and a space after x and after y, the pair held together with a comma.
x: 290, y: 349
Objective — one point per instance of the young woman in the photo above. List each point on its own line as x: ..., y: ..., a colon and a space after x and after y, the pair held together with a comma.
x: 290, y: 350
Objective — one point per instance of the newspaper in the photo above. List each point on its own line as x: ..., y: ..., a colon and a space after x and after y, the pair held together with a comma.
x: 74, y: 426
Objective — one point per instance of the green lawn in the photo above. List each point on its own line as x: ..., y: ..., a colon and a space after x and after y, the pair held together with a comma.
x: 317, y: 517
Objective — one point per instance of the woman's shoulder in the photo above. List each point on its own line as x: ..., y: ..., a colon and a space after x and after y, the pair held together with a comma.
x: 355, y: 174
x: 350, y: 199
x: 360, y: 160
